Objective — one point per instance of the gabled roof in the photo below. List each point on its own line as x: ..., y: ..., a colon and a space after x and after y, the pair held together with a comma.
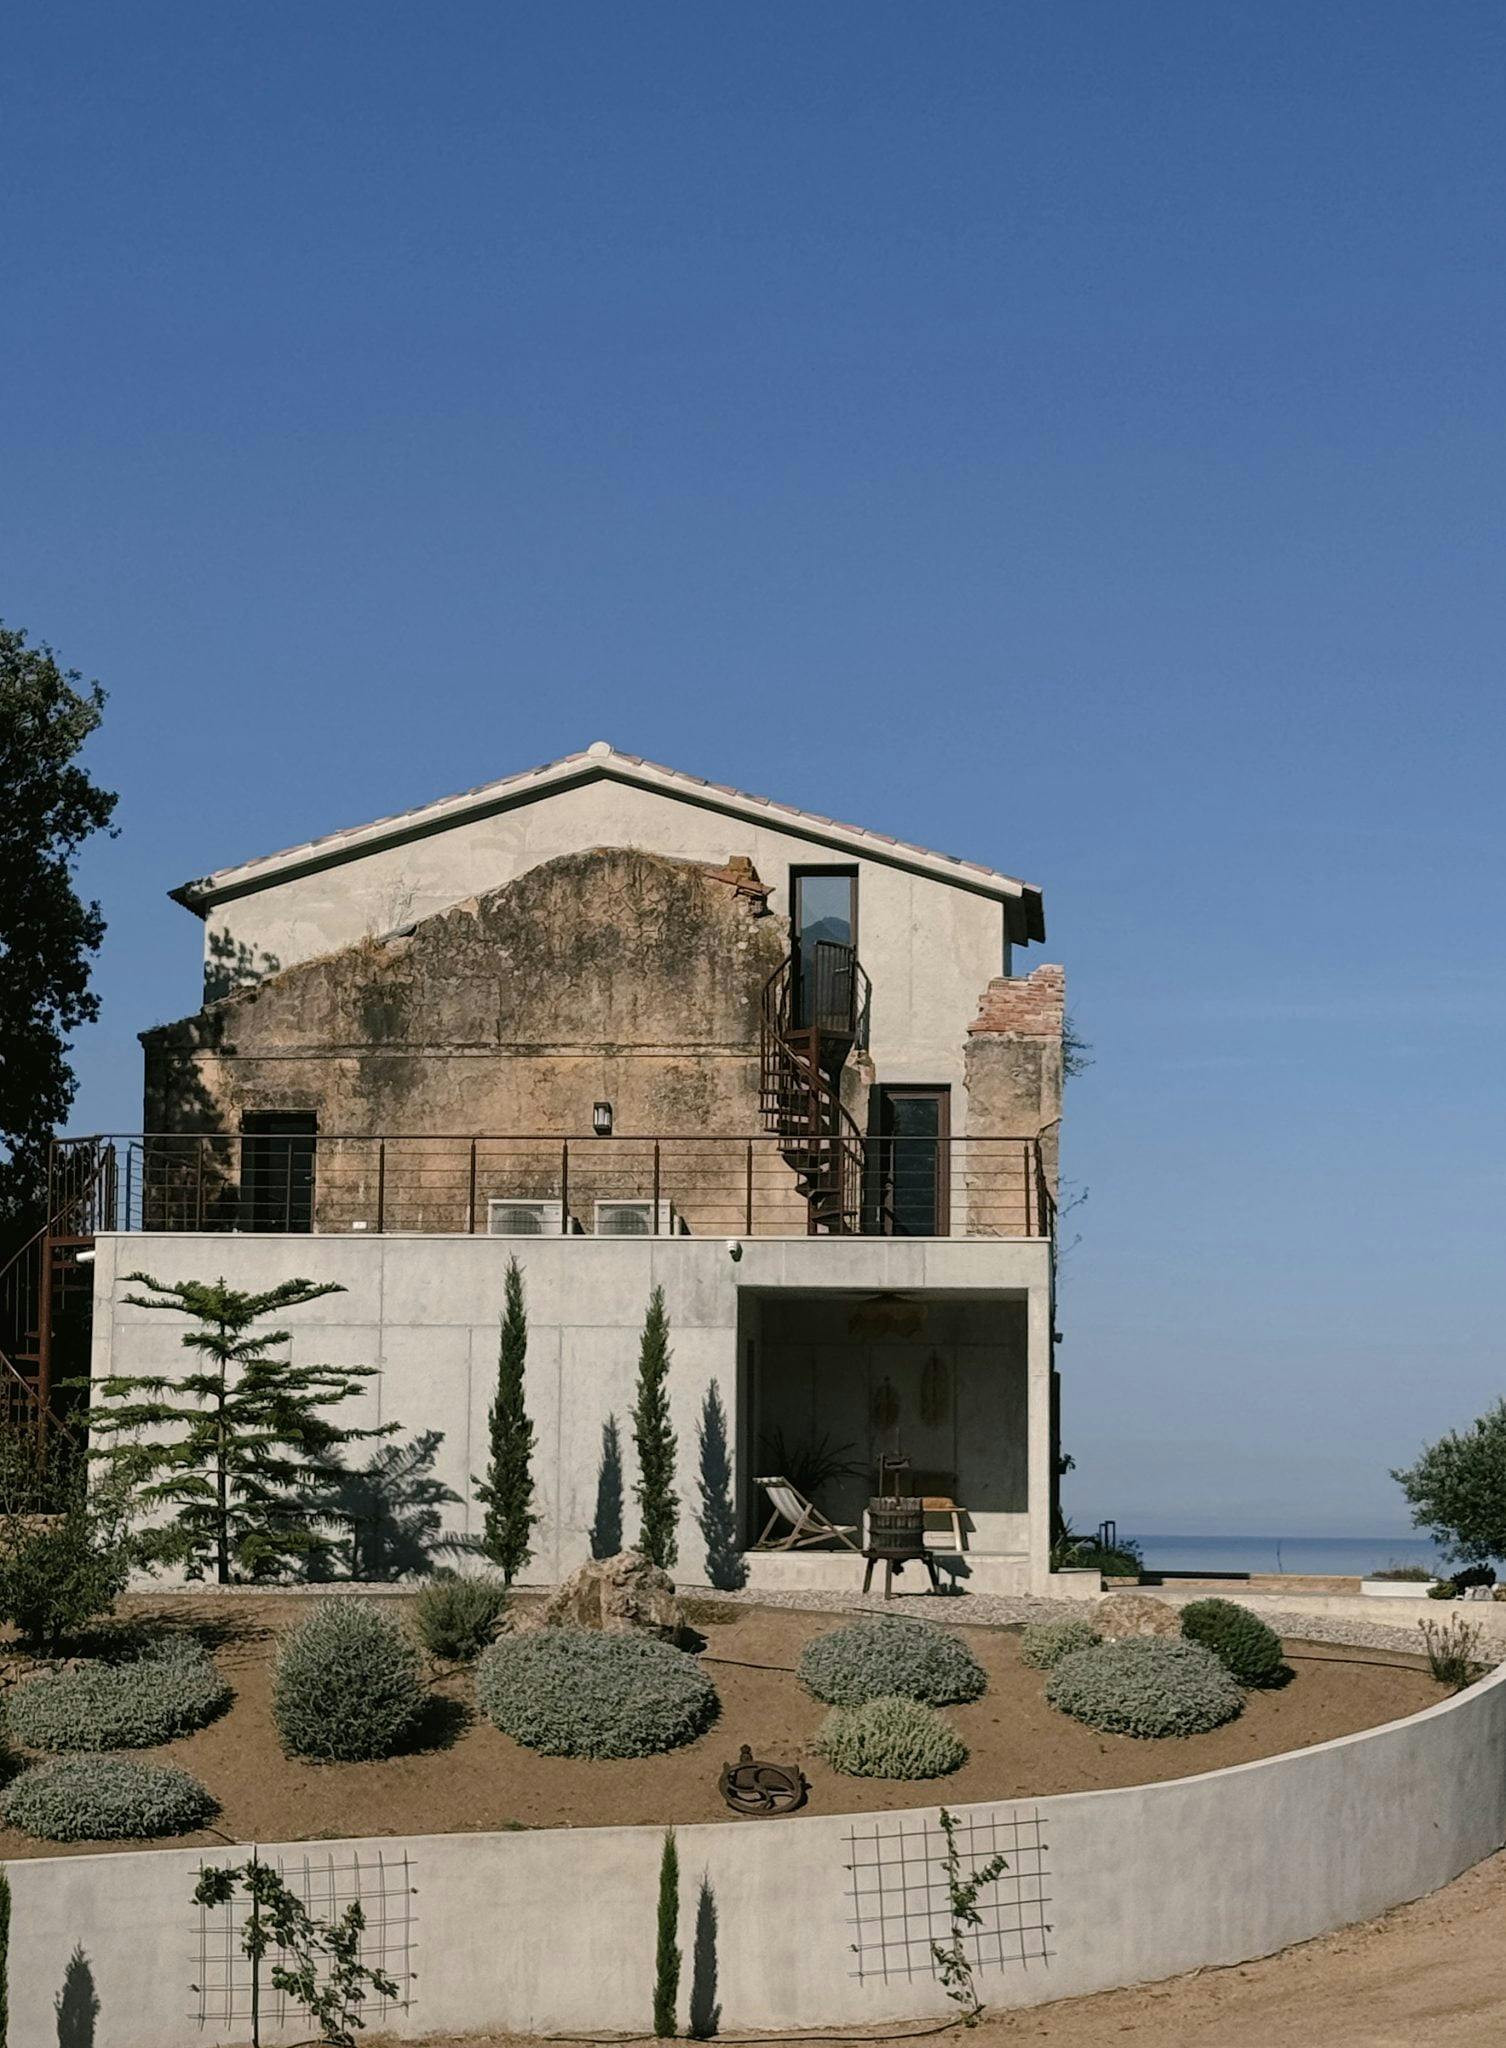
x: 600, y: 761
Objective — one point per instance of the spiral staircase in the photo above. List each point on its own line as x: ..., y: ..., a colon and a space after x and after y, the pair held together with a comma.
x: 815, y: 1011
x: 47, y: 1295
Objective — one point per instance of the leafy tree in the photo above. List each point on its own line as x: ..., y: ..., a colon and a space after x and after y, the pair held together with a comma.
x: 658, y: 1502
x: 507, y: 1489
x: 243, y: 1450
x: 65, y: 1552
x: 48, y: 807
x: 318, y: 1962
x: 1457, y: 1490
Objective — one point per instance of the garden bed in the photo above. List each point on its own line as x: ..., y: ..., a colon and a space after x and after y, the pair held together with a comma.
x: 464, y: 1776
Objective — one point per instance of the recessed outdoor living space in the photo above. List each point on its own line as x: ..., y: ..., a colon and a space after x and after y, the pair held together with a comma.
x: 850, y: 1395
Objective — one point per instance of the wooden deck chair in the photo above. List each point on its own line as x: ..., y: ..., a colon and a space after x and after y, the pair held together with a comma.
x: 805, y: 1522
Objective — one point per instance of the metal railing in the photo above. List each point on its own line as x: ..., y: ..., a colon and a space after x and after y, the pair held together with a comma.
x: 703, y: 1185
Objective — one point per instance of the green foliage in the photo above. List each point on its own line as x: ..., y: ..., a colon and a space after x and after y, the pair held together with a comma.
x: 717, y: 1514
x: 105, y: 1799
x: 810, y: 1463
x: 658, y: 1503
x: 457, y: 1618
x: 1411, y: 1574
x: 1453, y: 1651
x: 65, y: 1553
x: 1457, y: 1490
x: 1044, y: 1643
x: 575, y: 1692
x: 244, y: 1450
x: 507, y: 1490
x: 346, y: 1688
x: 888, y: 1654
x: 167, y: 1691
x: 1248, y: 1649
x: 1145, y: 1686
x: 48, y: 936
x: 318, y: 1962
x: 666, y: 1944
x: 954, y: 1965
x: 891, y: 1737
x: 1443, y: 1589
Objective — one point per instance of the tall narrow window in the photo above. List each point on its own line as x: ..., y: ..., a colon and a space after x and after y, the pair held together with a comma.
x: 909, y: 1191
x: 824, y: 922
x: 277, y: 1169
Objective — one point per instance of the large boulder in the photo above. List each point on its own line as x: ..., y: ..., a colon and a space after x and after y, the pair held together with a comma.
x: 1136, y: 1614
x: 622, y: 1595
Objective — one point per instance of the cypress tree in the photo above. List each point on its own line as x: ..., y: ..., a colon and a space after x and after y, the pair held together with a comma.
x: 666, y: 1947
x: 658, y: 1503
x: 507, y: 1490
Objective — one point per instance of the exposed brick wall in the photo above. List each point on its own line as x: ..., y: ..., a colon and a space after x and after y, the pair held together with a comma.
x: 1028, y: 1006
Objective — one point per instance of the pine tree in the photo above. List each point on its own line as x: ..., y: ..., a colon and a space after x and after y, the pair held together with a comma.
x: 658, y: 1503
x: 243, y: 1450
x: 507, y: 1490
x: 666, y: 1946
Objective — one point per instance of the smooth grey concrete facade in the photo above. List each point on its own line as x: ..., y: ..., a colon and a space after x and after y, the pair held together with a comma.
x: 424, y: 1312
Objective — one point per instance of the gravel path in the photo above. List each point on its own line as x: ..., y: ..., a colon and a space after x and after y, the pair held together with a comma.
x: 999, y: 1610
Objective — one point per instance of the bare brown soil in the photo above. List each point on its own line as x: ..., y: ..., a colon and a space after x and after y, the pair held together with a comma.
x: 464, y: 1775
x: 1429, y: 1975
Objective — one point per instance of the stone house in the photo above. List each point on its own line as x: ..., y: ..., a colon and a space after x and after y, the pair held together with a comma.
x: 632, y: 1028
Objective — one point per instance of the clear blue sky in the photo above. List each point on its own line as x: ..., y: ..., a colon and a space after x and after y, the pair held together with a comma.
x: 1070, y: 435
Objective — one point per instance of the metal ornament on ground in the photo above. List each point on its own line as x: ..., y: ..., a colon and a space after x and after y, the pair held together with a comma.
x: 751, y: 1787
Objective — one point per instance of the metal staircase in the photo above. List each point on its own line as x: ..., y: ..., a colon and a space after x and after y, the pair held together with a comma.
x: 47, y: 1293
x: 815, y: 1010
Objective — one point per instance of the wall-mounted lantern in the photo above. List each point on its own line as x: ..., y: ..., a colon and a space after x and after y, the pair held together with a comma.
x: 601, y: 1119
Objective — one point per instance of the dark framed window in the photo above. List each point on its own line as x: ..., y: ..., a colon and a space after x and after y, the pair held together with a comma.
x: 824, y: 933
x: 277, y: 1169
x: 909, y: 1176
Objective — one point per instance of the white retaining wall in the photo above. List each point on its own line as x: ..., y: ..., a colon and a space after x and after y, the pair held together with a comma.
x: 554, y: 1929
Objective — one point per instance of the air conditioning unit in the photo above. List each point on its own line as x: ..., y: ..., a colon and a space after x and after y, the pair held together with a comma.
x: 636, y: 1219
x: 507, y: 1218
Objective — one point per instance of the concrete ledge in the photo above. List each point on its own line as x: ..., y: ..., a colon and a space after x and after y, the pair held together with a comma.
x: 553, y: 1930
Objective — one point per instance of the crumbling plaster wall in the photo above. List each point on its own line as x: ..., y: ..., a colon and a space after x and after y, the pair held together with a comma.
x: 611, y: 974
x: 929, y: 945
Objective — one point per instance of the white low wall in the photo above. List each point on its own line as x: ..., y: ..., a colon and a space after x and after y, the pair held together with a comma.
x: 820, y: 1921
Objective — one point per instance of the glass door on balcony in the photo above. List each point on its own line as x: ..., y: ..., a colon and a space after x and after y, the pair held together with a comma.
x: 824, y: 926
x: 909, y: 1182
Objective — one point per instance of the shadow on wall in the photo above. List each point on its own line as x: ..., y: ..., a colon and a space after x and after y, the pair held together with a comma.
x: 705, y: 2009
x: 393, y: 1510
x: 725, y: 1566
x: 606, y: 1529
x: 77, y: 2004
x: 231, y: 964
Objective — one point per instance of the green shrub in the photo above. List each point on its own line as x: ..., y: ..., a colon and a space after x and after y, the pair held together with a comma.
x: 105, y: 1799
x: 1044, y: 1643
x: 574, y: 1692
x: 1248, y: 1649
x: 457, y: 1618
x: 167, y: 1691
x: 1147, y: 1686
x: 1445, y: 1589
x: 875, y: 1659
x: 347, y: 1684
x: 890, y: 1738
x: 65, y: 1552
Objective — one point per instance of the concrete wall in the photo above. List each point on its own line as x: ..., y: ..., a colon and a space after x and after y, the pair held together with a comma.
x: 930, y: 946
x: 424, y: 1312
x: 554, y: 1930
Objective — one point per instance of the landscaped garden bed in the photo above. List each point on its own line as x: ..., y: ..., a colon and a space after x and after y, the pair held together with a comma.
x: 458, y: 1772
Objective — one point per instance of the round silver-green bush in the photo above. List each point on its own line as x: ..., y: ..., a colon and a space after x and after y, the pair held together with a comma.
x: 891, y: 1655
x: 1043, y: 1644
x: 106, y: 1799
x: 169, y: 1690
x: 1145, y: 1686
x: 575, y: 1692
x: 890, y: 1738
x: 347, y: 1686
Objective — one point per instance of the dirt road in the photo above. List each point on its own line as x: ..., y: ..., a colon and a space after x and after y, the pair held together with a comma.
x: 1431, y: 1975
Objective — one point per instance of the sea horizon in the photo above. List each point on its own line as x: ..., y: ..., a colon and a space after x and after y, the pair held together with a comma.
x: 1324, y: 1555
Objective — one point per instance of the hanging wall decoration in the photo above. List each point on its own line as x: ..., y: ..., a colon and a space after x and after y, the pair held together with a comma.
x: 935, y: 1392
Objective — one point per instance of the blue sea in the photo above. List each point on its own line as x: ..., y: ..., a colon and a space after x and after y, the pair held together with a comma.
x: 1326, y: 1554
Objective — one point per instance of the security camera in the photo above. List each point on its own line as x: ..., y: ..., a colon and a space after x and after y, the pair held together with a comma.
x: 734, y: 1248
